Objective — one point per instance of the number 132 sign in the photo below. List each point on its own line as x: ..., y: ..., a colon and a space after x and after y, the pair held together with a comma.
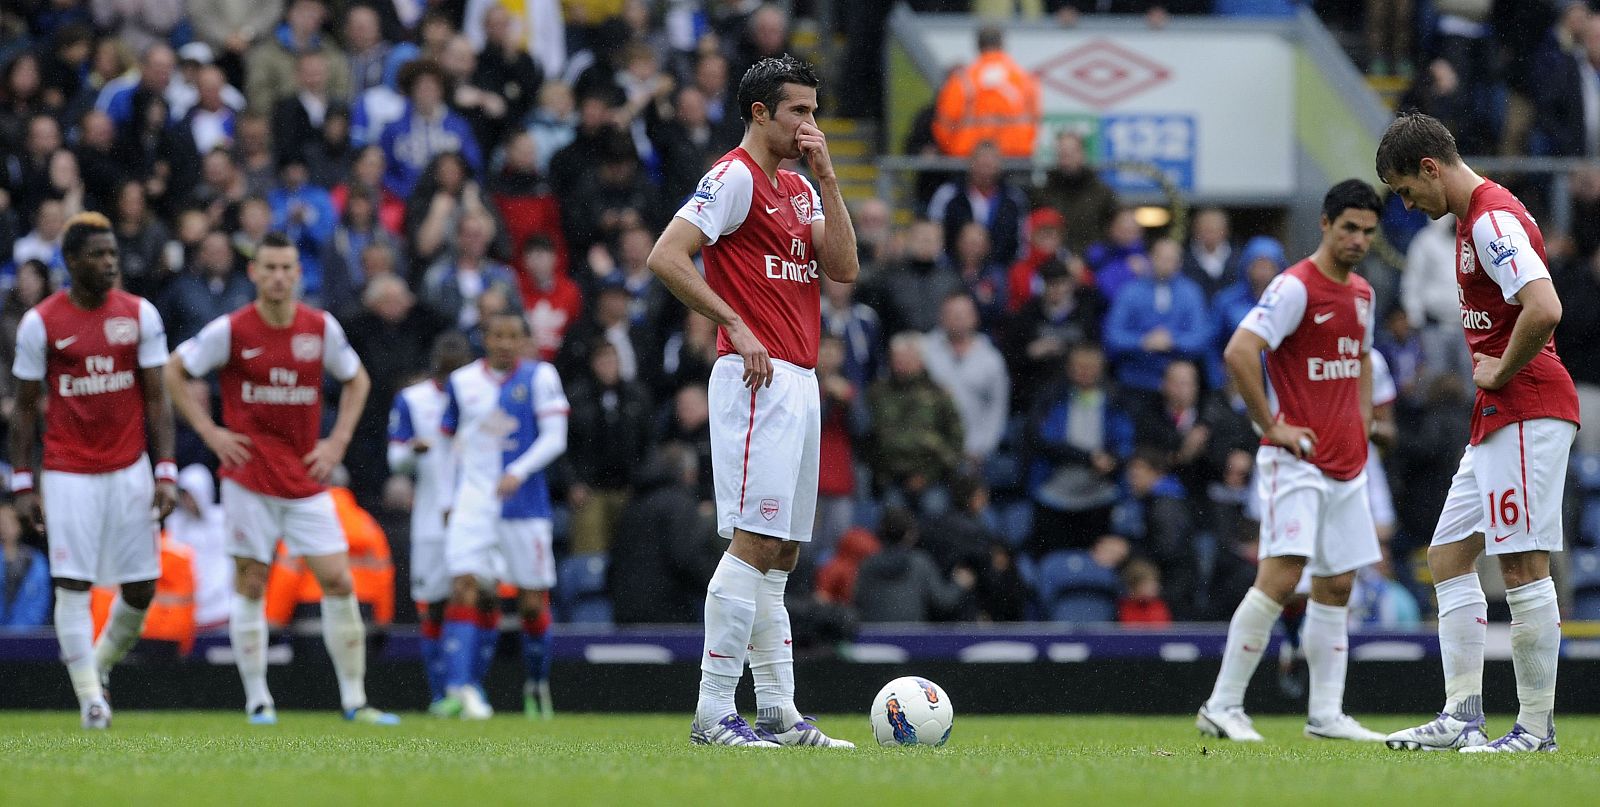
x: 1165, y: 141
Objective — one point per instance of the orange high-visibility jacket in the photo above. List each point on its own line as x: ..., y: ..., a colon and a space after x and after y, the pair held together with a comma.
x: 991, y: 99
x: 171, y: 614
x: 292, y: 583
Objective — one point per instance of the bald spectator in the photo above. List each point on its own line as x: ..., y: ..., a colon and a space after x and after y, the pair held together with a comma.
x: 183, y: 92
x: 983, y: 195
x: 126, y: 97
x: 961, y: 359
x: 207, y: 288
x: 1155, y: 320
x: 365, y: 49
x: 1210, y: 260
x: 453, y: 284
x: 1076, y: 191
x: 297, y: 119
x: 210, y: 122
x: 506, y: 68
x: 97, y: 157
x: 271, y: 64
x: 908, y: 296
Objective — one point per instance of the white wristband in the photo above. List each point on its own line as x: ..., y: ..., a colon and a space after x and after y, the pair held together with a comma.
x: 21, y: 481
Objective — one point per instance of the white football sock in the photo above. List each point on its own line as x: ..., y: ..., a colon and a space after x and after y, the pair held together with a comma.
x: 75, y: 633
x: 1463, y: 621
x: 1535, y: 651
x: 1247, y: 640
x: 772, y: 654
x: 730, y: 618
x: 1326, y: 640
x: 247, y: 632
x: 346, y: 639
x: 120, y: 634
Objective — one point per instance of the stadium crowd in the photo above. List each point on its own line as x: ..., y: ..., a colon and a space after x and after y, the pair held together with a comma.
x: 1023, y: 370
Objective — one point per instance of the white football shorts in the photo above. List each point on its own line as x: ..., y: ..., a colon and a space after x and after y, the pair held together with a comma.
x: 481, y: 543
x: 1305, y: 513
x: 1509, y: 488
x: 256, y: 521
x: 765, y: 449
x: 101, y: 528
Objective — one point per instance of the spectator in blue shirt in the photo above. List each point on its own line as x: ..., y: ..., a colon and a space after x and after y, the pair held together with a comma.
x: 24, y: 578
x: 303, y: 212
x: 426, y: 129
x: 1156, y: 319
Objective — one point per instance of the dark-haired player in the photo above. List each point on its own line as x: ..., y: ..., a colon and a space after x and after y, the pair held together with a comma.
x: 270, y: 356
x: 94, y: 352
x: 1315, y: 324
x: 761, y: 233
x: 1506, y: 496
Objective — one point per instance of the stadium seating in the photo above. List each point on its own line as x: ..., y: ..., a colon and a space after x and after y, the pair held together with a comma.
x: 581, y: 590
x: 1074, y: 588
x: 1586, y: 584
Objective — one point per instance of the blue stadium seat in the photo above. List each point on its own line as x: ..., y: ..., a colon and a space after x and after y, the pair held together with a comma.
x: 1589, y: 520
x: 1586, y: 467
x: 581, y: 589
x: 1076, y: 589
x: 1016, y: 521
x: 1586, y: 584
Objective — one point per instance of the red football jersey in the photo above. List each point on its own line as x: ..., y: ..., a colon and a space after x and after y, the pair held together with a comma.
x: 1499, y: 238
x: 759, y: 256
x: 1318, y: 330
x: 89, y: 363
x: 271, y: 380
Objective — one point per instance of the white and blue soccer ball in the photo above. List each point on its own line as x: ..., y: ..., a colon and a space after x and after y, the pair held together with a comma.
x: 912, y: 711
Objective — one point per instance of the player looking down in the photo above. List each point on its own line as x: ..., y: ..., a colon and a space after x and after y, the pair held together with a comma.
x: 761, y: 233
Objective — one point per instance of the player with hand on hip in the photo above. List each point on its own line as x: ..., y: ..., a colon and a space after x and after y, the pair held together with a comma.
x: 1506, y: 495
x: 270, y: 356
x: 1315, y: 323
x: 761, y: 233
x: 94, y: 353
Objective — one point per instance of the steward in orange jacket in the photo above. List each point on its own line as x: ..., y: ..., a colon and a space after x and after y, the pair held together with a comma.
x: 991, y: 99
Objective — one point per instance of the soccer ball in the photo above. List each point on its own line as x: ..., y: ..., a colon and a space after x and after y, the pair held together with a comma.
x: 912, y: 711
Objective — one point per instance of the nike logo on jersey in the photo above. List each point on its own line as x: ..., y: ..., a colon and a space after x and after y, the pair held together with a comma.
x: 1500, y: 538
x: 1323, y: 317
x: 251, y: 352
x: 788, y: 641
x: 61, y: 344
x: 771, y: 209
x: 715, y: 654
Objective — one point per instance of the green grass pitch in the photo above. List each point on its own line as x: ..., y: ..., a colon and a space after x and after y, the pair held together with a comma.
x: 182, y: 758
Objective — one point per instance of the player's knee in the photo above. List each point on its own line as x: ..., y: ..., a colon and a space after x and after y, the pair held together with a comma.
x: 250, y: 579
x: 338, y: 584
x: 1333, y: 591
x: 530, y: 604
x: 464, y: 591
x: 71, y: 585
x: 139, y: 594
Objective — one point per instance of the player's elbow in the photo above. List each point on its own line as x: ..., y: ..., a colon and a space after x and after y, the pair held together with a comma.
x: 662, y: 259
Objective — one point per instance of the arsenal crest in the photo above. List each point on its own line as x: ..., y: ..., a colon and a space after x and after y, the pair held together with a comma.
x: 122, y: 331
x: 1363, y: 311
x: 802, y: 207
x: 306, y: 347
x: 1468, y: 261
x: 769, y: 507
